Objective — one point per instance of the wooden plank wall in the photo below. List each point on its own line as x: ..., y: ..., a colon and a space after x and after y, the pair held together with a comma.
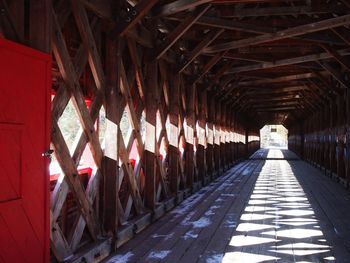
x: 186, y: 139
x: 323, y: 138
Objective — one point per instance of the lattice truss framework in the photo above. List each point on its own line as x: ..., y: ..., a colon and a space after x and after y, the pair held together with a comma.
x: 194, y: 144
x: 182, y: 134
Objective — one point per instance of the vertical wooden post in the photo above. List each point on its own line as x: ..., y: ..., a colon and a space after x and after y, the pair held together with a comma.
x: 16, y: 13
x: 230, y: 130
x: 246, y: 133
x: 217, y: 139
x: 111, y: 156
x: 317, y: 136
x: 325, y: 138
x: 190, y: 119
x: 337, y: 135
x: 226, y: 140
x: 223, y: 127
x: 312, y: 135
x: 310, y: 138
x: 201, y: 160
x: 234, y: 137
x: 329, y: 135
x: 150, y: 142
x: 174, y: 87
x: 302, y: 139
x: 227, y: 137
x: 210, y: 139
x: 40, y: 25
x: 347, y: 157
x: 332, y: 138
x: 320, y: 138
x: 309, y: 141
x: 231, y: 148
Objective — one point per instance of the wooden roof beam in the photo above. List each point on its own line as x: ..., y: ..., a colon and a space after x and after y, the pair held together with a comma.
x: 134, y: 15
x: 277, y: 91
x: 337, y: 56
x: 346, y: 3
x: 318, y: 91
x: 211, y: 63
x: 272, y: 99
x: 244, y: 104
x: 276, y: 86
x: 248, y: 106
x: 231, y: 83
x: 336, y: 75
x: 283, y: 34
x: 287, y: 61
x: 179, y: 6
x: 228, y: 24
x: 278, y: 79
x: 231, y: 92
x: 138, y: 32
x: 251, y: 104
x: 248, y: 1
x: 237, y: 98
x: 322, y: 97
x: 256, y: 29
x: 199, y: 48
x: 275, y: 105
x: 282, y: 109
x: 242, y: 93
x: 340, y: 34
x: 14, y: 31
x: 284, y: 11
x: 179, y: 31
x: 219, y: 74
x: 244, y: 57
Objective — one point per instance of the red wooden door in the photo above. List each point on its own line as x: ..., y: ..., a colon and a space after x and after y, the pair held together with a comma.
x: 24, y: 137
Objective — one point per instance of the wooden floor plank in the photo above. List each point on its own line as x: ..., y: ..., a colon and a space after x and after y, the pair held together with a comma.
x: 332, y: 203
x: 190, y: 227
x: 161, y: 229
x: 272, y: 208
x: 214, y: 239
x: 228, y: 197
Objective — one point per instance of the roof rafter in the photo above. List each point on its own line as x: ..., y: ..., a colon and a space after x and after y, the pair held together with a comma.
x: 179, y: 31
x: 287, y: 61
x: 283, y: 34
x: 179, y: 6
x: 199, y: 48
x: 135, y: 14
x: 285, y: 10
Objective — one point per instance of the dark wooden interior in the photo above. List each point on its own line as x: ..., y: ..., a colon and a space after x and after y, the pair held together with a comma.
x: 205, y: 74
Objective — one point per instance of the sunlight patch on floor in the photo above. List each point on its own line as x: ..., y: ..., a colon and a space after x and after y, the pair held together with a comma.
x: 246, y: 257
x: 278, y: 223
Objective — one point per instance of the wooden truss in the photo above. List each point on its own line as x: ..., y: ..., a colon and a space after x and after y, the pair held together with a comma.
x: 194, y: 81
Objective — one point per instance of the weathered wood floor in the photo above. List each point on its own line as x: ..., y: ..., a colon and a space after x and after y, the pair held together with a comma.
x: 270, y: 210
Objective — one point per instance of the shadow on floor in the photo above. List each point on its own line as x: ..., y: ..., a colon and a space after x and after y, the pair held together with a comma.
x: 262, y: 210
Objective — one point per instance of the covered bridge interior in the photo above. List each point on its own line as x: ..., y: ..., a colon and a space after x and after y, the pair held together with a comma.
x: 150, y: 112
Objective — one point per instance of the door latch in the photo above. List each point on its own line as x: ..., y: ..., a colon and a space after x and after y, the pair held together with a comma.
x: 48, y: 153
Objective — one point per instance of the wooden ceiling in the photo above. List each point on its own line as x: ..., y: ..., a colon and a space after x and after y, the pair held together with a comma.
x: 235, y: 48
x: 273, y: 60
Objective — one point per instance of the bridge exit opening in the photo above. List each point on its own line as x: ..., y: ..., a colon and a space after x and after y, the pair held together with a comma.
x: 274, y: 136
